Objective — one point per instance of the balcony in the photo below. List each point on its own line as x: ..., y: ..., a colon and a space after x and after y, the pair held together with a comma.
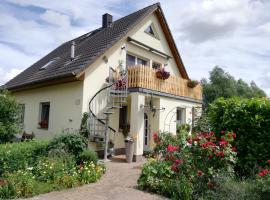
x: 145, y: 77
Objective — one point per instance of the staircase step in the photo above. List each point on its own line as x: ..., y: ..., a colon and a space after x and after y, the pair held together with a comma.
x: 108, y: 113
x: 118, y: 91
x: 112, y: 107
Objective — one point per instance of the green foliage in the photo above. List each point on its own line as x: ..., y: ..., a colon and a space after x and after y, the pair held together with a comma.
x: 87, y: 156
x: 83, y: 129
x: 69, y: 143
x: 16, y: 156
x: 250, y: 119
x: 222, y: 84
x: 9, y: 111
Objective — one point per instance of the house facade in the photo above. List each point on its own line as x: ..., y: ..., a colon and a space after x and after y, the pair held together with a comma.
x: 56, y: 91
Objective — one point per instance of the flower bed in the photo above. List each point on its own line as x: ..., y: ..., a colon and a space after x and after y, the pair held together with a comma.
x: 32, y: 168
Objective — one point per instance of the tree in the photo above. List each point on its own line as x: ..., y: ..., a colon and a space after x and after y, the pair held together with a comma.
x: 9, y: 112
x: 222, y: 84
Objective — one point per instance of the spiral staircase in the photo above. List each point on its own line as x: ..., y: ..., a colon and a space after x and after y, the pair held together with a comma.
x: 103, y: 104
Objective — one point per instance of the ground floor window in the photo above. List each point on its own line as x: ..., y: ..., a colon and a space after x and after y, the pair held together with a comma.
x: 44, y: 115
x: 22, y: 114
x: 180, y: 116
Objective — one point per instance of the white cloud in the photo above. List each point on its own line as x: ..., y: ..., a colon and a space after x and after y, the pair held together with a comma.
x: 56, y: 18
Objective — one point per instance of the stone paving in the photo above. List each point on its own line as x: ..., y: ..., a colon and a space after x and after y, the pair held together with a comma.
x: 119, y: 183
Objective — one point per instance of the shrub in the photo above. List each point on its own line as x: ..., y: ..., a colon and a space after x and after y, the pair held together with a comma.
x: 16, y: 156
x: 87, y: 156
x: 9, y: 111
x: 250, y: 119
x: 69, y: 143
x: 187, y: 170
x: 88, y: 172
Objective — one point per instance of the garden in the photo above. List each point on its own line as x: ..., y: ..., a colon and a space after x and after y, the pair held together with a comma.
x: 226, y: 156
x: 36, y: 167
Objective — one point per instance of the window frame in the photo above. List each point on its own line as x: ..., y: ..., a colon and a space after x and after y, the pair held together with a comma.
x: 180, y: 116
x: 136, y: 59
x: 43, y: 123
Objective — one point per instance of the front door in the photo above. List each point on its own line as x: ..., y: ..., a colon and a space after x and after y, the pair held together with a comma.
x: 146, y: 133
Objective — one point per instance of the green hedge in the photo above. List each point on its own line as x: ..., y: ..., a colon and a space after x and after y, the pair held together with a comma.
x: 250, y: 120
x: 15, y: 156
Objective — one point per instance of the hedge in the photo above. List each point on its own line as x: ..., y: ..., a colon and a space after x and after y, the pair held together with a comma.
x: 250, y: 120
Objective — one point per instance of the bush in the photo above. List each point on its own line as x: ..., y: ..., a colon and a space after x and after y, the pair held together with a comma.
x: 250, y: 119
x: 9, y: 111
x: 87, y: 156
x: 16, y: 156
x: 68, y: 143
x: 186, y: 170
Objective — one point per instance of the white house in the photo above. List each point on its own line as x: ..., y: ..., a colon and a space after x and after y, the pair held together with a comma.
x: 56, y: 90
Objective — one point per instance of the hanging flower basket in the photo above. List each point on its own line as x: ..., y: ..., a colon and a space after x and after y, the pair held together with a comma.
x: 192, y: 83
x: 162, y: 74
x: 120, y: 84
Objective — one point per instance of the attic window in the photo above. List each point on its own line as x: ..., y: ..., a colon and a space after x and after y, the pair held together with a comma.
x: 151, y: 31
x: 48, y: 63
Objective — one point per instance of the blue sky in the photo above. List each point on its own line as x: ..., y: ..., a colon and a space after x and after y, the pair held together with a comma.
x: 234, y: 34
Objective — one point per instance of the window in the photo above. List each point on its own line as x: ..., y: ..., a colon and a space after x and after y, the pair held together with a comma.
x: 123, y: 118
x: 134, y: 60
x: 130, y: 60
x: 141, y: 62
x: 150, y: 30
x: 156, y: 65
x: 180, y: 116
x: 22, y: 113
x: 44, y: 115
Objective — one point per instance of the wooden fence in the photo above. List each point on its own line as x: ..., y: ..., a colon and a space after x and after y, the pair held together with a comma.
x: 145, y: 77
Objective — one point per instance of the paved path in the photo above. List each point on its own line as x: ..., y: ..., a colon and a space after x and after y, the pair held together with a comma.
x: 119, y: 183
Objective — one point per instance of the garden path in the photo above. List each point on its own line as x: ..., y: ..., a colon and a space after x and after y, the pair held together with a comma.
x: 119, y: 183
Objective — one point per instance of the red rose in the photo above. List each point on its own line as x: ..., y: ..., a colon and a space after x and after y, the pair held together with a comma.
x: 177, y: 162
x: 268, y: 161
x: 200, y: 173
x: 155, y: 136
x: 234, y: 135
x: 234, y: 149
x: 223, y: 142
x: 222, y: 132
x: 174, y: 168
x: 220, y: 154
x: 171, y: 148
x: 263, y: 172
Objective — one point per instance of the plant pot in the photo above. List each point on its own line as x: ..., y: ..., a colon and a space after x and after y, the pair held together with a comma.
x: 129, y: 142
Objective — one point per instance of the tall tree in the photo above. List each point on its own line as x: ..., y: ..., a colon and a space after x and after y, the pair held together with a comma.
x: 222, y: 84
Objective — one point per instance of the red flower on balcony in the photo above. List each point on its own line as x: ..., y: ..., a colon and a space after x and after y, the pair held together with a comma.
x: 162, y: 74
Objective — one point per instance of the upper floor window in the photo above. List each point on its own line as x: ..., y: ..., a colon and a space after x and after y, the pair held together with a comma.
x: 132, y: 60
x: 44, y: 115
x: 151, y: 30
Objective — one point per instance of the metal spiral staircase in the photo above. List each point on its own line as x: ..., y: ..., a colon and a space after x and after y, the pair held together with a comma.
x: 102, y: 105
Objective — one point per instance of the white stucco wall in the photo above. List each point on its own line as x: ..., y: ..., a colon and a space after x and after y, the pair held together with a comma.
x: 65, y: 108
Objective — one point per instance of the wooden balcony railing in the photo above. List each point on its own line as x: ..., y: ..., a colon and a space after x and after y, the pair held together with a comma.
x: 145, y: 77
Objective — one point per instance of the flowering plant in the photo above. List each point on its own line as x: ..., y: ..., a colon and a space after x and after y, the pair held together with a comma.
x: 192, y: 83
x: 161, y: 73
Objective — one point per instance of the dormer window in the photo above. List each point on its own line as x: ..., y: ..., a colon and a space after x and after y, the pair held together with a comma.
x: 151, y: 31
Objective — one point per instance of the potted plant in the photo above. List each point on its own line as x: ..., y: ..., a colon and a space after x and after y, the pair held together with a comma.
x: 161, y: 73
x: 192, y: 83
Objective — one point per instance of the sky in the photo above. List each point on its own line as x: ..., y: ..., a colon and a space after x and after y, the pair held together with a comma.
x: 233, y: 34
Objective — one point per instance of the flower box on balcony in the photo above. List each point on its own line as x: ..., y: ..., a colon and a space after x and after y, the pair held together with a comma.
x: 162, y: 74
x: 192, y: 83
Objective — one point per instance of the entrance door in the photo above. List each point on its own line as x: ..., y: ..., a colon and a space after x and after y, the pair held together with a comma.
x: 146, y: 133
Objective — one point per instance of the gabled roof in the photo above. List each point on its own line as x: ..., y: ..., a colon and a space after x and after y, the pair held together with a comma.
x: 89, y: 47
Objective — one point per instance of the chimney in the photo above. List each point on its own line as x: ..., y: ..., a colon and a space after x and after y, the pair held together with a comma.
x: 72, y: 50
x: 107, y: 20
